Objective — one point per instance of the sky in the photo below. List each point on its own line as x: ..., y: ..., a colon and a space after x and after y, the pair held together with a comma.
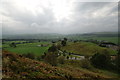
x: 58, y: 16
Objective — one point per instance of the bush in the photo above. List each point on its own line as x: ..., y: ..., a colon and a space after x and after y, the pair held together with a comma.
x: 53, y: 48
x: 117, y: 62
x: 101, y: 60
x: 64, y: 42
x: 58, y: 46
x: 85, y: 63
x: 67, y: 57
x: 12, y: 45
x: 51, y: 58
x: 29, y: 55
x: 39, y: 58
x: 61, y: 59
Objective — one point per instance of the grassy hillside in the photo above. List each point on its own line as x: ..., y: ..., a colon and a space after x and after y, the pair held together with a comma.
x: 86, y: 48
x: 83, y: 48
x: 16, y: 66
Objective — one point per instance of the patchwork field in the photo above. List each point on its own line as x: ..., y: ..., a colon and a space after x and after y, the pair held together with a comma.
x: 82, y: 48
x: 110, y: 39
x: 53, y: 66
x: 28, y: 48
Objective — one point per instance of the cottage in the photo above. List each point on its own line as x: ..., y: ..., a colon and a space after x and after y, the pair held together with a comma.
x: 109, y: 45
x: 42, y: 45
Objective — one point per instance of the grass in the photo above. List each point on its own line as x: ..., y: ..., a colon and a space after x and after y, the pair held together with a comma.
x: 23, y: 50
x: 14, y: 42
x: 105, y: 72
x: 97, y: 72
x: 82, y: 48
x: 29, y: 68
x: 86, y: 48
x: 77, y: 64
x: 110, y: 39
x: 28, y: 48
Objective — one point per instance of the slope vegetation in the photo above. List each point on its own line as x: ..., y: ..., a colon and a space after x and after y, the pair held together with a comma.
x: 86, y: 48
x: 17, y: 66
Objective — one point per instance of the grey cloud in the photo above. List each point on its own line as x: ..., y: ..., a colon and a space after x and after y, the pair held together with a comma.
x: 27, y: 16
x: 82, y: 20
x: 85, y: 22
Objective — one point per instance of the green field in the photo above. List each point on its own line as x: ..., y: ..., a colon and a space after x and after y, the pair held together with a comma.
x: 72, y: 66
x: 86, y: 48
x: 110, y: 39
x: 82, y: 48
x: 27, y: 48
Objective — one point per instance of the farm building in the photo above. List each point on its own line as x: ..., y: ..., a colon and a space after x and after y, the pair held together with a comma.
x: 42, y: 45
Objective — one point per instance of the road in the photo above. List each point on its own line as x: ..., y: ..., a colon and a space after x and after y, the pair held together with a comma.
x: 73, y: 56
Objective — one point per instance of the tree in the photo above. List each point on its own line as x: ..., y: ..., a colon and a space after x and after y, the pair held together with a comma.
x: 65, y: 39
x: 58, y: 46
x: 53, y: 48
x: 64, y: 42
x: 67, y: 57
x: 13, y: 45
x: 101, y: 60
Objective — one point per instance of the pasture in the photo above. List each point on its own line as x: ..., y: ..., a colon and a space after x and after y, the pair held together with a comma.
x: 28, y: 48
x: 81, y: 48
x: 86, y: 48
x: 110, y: 39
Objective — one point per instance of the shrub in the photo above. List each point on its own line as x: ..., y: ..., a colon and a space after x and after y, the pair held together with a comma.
x: 85, y: 63
x: 53, y: 48
x: 63, y: 43
x: 61, y: 59
x: 12, y: 45
x: 39, y: 58
x: 29, y: 55
x: 117, y: 62
x: 43, y: 56
x: 67, y: 57
x: 58, y: 46
x: 51, y: 58
x: 101, y: 60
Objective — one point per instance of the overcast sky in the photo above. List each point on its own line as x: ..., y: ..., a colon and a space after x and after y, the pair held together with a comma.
x: 57, y: 16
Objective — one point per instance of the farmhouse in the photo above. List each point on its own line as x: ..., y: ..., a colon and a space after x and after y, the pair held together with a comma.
x: 42, y: 45
x: 109, y: 45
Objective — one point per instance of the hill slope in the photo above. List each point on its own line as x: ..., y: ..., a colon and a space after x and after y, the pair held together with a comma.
x: 16, y: 66
x: 86, y: 48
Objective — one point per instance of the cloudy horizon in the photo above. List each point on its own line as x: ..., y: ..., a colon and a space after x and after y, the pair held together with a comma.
x: 58, y: 16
